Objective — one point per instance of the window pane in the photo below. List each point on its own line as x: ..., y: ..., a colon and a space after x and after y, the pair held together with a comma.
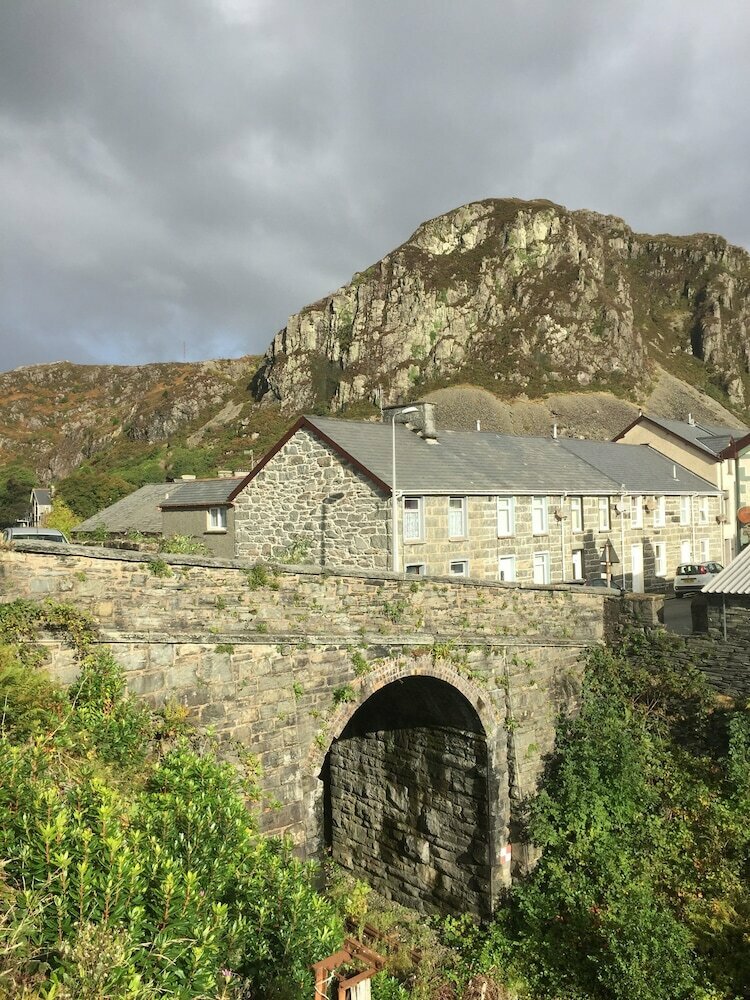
x: 459, y: 568
x: 507, y: 568
x: 217, y: 517
x: 685, y: 506
x: 604, y: 514
x: 506, y: 516
x: 456, y: 517
x: 576, y: 514
x: 412, y: 518
x: 541, y: 567
x: 539, y: 515
x: 660, y: 512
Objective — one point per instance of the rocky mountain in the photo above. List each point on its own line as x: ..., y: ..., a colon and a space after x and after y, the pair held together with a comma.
x: 54, y: 417
x: 521, y: 298
x: 518, y: 314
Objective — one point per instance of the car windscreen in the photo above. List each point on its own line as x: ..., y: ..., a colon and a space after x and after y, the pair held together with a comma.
x: 37, y: 536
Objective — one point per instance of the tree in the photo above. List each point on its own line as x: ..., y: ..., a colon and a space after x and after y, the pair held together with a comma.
x: 86, y: 491
x: 61, y: 517
x: 16, y: 484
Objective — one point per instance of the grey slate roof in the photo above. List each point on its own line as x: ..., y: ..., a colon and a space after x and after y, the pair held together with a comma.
x: 42, y: 497
x: 466, y: 462
x: 200, y: 492
x: 734, y: 578
x: 708, y: 437
x: 138, y: 511
x: 638, y: 468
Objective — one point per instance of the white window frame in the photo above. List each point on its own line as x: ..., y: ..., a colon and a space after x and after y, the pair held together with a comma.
x: 506, y: 507
x: 686, y: 550
x: 576, y: 515
x: 660, y: 512
x: 216, y: 520
x: 458, y: 562
x: 461, y: 510
x: 408, y: 521
x: 509, y: 557
x: 686, y: 510
x: 636, y: 511
x: 547, y: 571
x: 705, y: 549
x: 703, y: 510
x: 539, y: 516
x: 605, y: 520
x: 660, y: 558
x: 415, y: 569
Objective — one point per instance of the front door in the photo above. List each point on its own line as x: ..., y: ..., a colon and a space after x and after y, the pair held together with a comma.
x: 636, y: 567
x: 577, y: 564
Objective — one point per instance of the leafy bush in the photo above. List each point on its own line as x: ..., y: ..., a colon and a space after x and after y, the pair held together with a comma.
x: 184, y: 544
x: 117, y: 725
x: 134, y: 883
x: 641, y: 890
x: 61, y: 517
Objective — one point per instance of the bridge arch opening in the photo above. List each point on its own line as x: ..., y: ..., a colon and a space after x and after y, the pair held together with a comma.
x: 408, y: 797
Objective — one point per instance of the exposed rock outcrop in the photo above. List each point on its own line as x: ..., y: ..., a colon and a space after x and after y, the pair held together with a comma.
x: 53, y: 417
x: 519, y: 297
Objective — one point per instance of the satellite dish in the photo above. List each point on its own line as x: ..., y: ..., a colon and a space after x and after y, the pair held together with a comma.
x: 743, y: 515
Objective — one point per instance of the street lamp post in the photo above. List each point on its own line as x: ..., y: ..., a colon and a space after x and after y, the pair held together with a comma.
x: 395, y: 562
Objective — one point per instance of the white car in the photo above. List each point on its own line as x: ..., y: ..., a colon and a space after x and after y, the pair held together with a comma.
x: 689, y: 578
x: 23, y: 534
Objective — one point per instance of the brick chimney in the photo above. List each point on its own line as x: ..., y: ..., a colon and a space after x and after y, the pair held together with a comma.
x: 420, y: 418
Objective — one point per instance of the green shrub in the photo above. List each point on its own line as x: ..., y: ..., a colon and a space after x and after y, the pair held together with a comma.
x: 159, y: 568
x: 117, y: 725
x: 137, y: 884
x: 184, y: 544
x: 29, y: 701
x: 640, y: 893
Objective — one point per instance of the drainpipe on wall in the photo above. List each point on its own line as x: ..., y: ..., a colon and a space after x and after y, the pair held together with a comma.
x: 693, y: 556
x: 724, y: 614
x: 622, y: 539
x: 562, y: 533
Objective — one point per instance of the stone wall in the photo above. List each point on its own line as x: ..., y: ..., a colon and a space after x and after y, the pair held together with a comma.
x: 720, y: 645
x: 309, y: 502
x: 414, y: 803
x: 284, y: 660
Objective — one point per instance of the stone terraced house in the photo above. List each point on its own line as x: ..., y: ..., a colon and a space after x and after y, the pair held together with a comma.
x: 719, y: 454
x: 485, y: 505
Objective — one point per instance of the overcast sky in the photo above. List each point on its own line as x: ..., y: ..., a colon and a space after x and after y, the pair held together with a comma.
x: 177, y: 177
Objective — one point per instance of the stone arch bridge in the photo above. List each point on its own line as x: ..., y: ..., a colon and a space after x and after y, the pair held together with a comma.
x: 398, y: 722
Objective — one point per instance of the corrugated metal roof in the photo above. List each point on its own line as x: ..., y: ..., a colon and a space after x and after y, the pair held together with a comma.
x: 734, y: 578
x: 465, y: 462
x: 200, y: 492
x: 139, y: 511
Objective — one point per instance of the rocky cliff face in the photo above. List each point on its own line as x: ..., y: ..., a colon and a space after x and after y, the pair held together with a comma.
x: 53, y: 417
x: 520, y: 297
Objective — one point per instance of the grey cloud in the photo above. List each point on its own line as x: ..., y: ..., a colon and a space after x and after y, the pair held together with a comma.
x: 191, y: 172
